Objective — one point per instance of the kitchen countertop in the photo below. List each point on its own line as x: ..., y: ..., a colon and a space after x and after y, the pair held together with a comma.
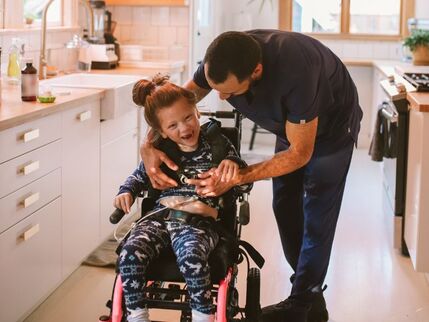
x: 13, y: 111
x: 419, y: 101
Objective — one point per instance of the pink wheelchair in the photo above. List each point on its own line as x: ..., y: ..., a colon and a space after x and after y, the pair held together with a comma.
x: 164, y: 292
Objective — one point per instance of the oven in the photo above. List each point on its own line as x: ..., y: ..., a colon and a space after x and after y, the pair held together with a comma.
x: 395, y: 118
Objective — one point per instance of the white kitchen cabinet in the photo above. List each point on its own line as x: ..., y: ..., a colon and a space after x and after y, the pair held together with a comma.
x: 30, y: 261
x: 362, y: 76
x: 118, y: 161
x: 119, y: 157
x: 80, y: 183
x: 30, y: 214
x: 417, y: 202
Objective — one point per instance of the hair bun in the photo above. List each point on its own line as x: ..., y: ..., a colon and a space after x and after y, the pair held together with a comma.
x: 144, y: 88
x: 141, y: 90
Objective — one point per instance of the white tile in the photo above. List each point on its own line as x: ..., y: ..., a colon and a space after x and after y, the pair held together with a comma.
x: 395, y: 50
x: 350, y: 49
x: 123, y: 15
x: 124, y: 33
x: 167, y: 36
x: 365, y: 50
x: 142, y: 15
x: 160, y: 16
x: 179, y: 16
x: 179, y: 53
x: 183, y: 36
x: 381, y: 50
x: 145, y: 35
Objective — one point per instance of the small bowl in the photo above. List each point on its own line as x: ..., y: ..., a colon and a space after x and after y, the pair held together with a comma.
x: 46, y: 99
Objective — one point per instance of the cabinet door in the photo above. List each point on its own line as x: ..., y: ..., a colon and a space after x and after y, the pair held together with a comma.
x: 30, y: 261
x: 80, y: 184
x: 147, y: 2
x: 417, y: 204
x: 118, y: 161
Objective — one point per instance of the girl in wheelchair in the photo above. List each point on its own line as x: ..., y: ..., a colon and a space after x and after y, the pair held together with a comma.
x: 187, y: 227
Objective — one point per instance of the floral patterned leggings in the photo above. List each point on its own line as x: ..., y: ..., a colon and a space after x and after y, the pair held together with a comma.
x: 192, y: 247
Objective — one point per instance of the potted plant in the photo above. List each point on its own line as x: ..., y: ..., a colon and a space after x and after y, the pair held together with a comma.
x: 418, y: 43
x: 29, y: 19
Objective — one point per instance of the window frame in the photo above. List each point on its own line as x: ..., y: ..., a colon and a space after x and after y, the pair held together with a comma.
x: 407, y: 11
x: 14, y: 22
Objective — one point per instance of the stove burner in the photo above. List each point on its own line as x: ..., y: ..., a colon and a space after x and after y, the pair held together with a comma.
x: 419, y: 80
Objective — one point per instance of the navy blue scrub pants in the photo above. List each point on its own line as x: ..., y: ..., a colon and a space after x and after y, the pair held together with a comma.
x: 306, y: 205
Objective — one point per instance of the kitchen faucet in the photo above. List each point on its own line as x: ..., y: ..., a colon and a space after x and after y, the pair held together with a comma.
x: 43, y: 65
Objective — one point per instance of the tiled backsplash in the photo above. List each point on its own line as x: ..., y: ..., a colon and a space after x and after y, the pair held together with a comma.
x: 163, y: 27
x: 55, y: 41
x: 391, y: 50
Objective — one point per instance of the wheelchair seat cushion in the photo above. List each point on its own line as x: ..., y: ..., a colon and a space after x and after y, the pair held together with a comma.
x: 165, y: 268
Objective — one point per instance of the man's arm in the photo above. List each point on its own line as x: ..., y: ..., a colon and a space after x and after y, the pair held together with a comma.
x: 301, y: 138
x: 199, y: 91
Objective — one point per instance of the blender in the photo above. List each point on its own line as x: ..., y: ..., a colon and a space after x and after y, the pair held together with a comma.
x: 103, y: 54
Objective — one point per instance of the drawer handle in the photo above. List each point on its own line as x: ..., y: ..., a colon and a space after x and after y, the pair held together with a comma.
x: 85, y: 116
x: 30, y: 200
x: 31, y: 167
x: 31, y: 232
x: 31, y: 135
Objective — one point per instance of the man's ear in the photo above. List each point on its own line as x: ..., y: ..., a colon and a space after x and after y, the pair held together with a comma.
x: 198, y: 113
x: 257, y: 72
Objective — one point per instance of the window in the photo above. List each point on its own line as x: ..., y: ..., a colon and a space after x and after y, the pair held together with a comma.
x: 316, y: 16
x: 33, y: 10
x: 347, y: 18
x: 375, y: 17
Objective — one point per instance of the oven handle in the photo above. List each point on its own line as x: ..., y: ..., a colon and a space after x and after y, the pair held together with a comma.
x: 390, y: 115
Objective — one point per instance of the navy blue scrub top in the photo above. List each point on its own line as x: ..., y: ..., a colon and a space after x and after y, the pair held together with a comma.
x: 302, y: 79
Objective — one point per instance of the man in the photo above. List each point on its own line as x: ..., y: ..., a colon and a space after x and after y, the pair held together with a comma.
x: 295, y: 87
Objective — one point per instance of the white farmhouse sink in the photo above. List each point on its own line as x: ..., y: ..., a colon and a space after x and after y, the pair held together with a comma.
x: 118, y: 90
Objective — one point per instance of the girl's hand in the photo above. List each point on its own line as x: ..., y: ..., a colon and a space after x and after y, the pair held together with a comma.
x: 227, y: 170
x: 124, y: 201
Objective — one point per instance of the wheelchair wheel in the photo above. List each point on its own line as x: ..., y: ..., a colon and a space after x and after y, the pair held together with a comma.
x: 253, y: 306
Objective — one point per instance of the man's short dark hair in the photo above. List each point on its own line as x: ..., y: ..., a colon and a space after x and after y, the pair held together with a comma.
x: 232, y: 52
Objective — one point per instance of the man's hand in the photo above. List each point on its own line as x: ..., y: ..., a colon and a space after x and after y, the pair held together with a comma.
x: 210, y: 184
x: 152, y: 159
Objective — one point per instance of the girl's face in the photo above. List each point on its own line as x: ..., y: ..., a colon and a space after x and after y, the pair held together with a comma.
x: 179, y: 122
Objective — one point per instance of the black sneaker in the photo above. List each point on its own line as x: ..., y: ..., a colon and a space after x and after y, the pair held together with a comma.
x: 318, y: 311
x: 289, y: 310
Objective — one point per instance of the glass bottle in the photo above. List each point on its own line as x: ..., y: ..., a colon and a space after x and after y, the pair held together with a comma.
x: 29, y: 82
x: 13, y: 68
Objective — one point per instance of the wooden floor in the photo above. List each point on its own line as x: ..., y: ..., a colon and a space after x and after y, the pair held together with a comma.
x: 368, y: 281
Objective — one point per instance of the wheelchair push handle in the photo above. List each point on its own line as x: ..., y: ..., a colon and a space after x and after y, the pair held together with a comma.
x: 220, y: 114
x: 116, y: 216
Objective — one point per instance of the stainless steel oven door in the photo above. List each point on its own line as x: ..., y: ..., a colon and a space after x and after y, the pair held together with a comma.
x: 389, y: 165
